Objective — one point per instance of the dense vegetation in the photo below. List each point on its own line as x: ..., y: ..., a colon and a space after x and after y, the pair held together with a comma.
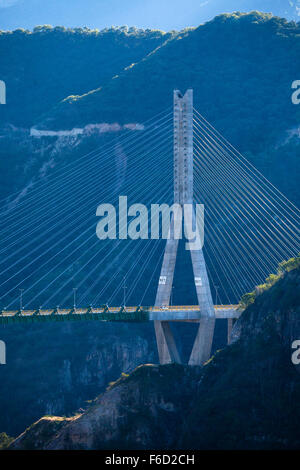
x: 5, y: 440
x: 285, y: 8
x: 283, y: 268
x: 241, y: 67
x: 43, y: 67
x: 250, y: 392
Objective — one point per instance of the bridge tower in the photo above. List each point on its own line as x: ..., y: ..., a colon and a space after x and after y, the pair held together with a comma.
x: 183, y: 194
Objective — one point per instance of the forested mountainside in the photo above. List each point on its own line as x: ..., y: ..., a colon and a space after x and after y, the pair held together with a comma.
x: 44, y: 66
x: 241, y: 67
x: 245, y: 397
x: 286, y: 8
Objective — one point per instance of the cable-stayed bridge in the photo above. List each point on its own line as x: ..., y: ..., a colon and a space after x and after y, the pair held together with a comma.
x: 51, y: 257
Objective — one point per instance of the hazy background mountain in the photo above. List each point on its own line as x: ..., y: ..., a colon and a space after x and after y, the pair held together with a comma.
x: 289, y: 9
x: 240, y: 66
x: 44, y: 67
x: 165, y: 15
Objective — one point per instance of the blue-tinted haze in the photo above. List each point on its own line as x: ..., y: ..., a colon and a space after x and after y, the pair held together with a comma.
x: 162, y: 14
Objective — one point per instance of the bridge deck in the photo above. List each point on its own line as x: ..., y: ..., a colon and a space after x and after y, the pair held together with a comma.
x: 111, y: 314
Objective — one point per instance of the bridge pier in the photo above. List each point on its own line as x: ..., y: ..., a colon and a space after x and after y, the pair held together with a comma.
x: 203, y: 343
x: 229, y: 329
x: 166, y: 346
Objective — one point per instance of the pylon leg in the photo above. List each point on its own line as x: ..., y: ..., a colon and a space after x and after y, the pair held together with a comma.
x: 229, y: 329
x: 205, y: 301
x: 202, y: 346
x: 167, y: 350
x: 167, y: 273
x: 203, y: 343
x: 166, y: 346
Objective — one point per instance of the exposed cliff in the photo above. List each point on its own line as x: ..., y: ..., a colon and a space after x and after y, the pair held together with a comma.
x: 247, y: 396
x: 141, y: 408
x: 56, y: 368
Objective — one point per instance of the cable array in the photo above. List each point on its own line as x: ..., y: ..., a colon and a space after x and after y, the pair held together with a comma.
x: 49, y: 245
x: 250, y: 226
x: 48, y: 241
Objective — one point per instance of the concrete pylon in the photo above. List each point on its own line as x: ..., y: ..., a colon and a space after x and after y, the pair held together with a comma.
x: 183, y: 194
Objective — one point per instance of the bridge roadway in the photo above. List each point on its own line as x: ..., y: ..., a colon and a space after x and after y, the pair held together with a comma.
x: 127, y: 314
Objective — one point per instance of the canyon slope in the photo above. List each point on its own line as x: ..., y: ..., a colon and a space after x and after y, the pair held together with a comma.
x: 245, y: 397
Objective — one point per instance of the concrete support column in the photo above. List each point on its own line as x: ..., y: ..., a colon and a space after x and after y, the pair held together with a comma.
x: 166, y: 346
x: 167, y: 273
x: 167, y: 351
x: 183, y: 194
x: 229, y: 329
x: 202, y: 346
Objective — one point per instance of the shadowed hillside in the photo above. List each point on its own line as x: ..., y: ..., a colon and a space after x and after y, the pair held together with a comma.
x: 42, y: 67
x: 246, y: 397
x: 241, y: 67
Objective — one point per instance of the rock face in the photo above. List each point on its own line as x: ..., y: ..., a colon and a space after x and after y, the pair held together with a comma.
x: 246, y: 396
x: 144, y: 407
x: 54, y: 368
